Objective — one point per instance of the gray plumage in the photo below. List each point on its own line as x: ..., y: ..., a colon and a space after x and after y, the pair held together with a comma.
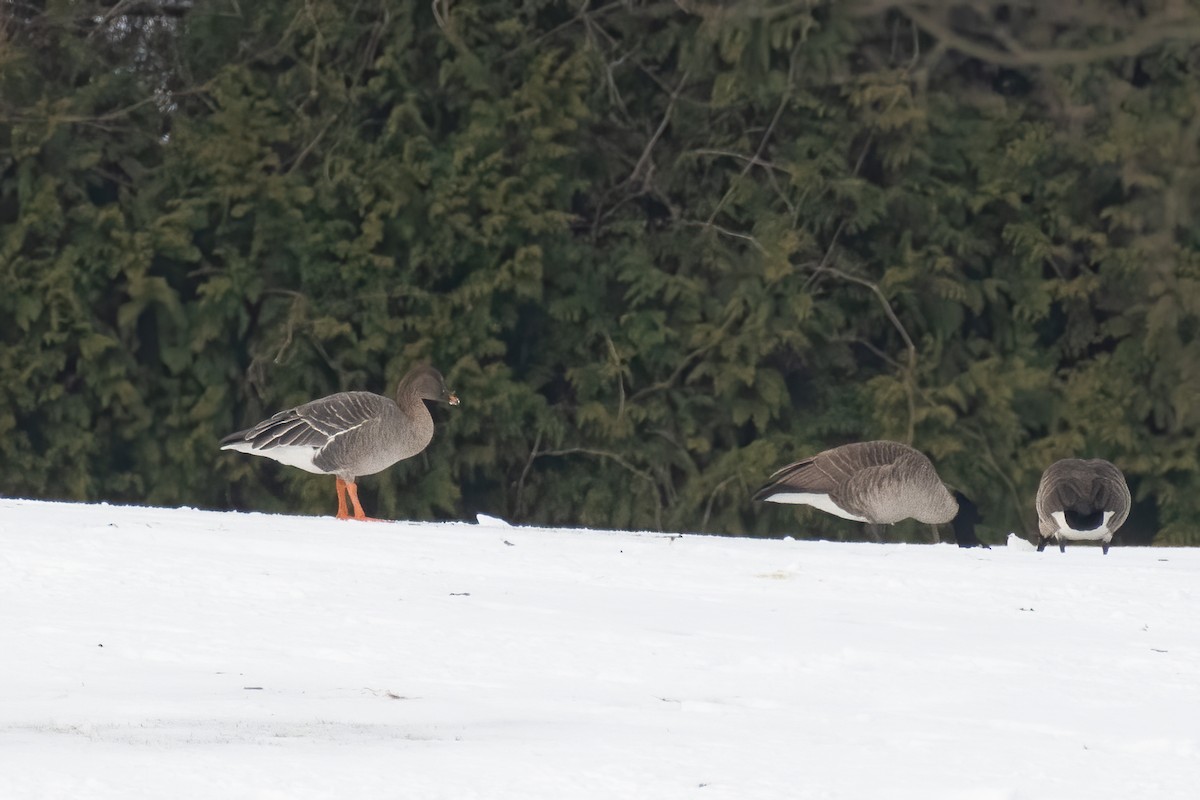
x: 1081, y: 499
x: 350, y: 434
x: 877, y: 482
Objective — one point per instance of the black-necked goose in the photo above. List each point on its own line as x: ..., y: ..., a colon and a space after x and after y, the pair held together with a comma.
x: 1081, y: 499
x: 350, y: 434
x: 874, y: 482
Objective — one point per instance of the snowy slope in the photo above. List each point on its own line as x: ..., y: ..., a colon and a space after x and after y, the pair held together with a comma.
x: 187, y: 654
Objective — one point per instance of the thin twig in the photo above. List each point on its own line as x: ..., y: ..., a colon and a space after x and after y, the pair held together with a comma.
x: 762, y: 144
x: 587, y: 451
x: 441, y: 11
x: 708, y: 506
x: 879, y: 353
x: 989, y: 459
x: 910, y: 379
x: 662, y: 126
x: 1147, y: 37
x: 612, y: 349
x: 297, y: 302
x: 533, y: 453
x: 583, y: 15
x: 107, y: 116
x: 753, y: 161
x: 725, y: 232
x: 686, y: 362
x: 303, y: 154
x: 819, y: 268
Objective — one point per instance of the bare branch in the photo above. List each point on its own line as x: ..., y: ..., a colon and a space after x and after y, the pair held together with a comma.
x: 911, y: 368
x: 309, y: 147
x: 762, y: 144
x: 108, y: 116
x: 612, y: 349
x: 714, y: 340
x: 298, y: 303
x: 662, y: 126
x: 533, y: 454
x: 742, y: 9
x: 878, y: 352
x: 1137, y: 41
x: 819, y: 267
x: 988, y: 458
x: 725, y: 232
x: 584, y: 15
x: 754, y: 161
x: 620, y: 460
x: 712, y: 497
x: 441, y: 12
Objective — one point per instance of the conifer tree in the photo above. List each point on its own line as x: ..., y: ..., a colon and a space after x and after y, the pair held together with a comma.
x: 659, y: 249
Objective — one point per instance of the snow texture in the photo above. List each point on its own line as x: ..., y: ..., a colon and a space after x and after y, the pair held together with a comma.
x: 154, y: 653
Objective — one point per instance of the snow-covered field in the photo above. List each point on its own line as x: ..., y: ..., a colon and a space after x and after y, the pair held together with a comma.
x: 184, y: 654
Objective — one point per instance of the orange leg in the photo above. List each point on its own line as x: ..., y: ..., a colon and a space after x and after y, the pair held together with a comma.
x: 341, y: 493
x: 352, y: 490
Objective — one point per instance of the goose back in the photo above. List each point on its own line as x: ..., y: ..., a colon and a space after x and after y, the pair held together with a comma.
x: 1082, y: 487
x: 880, y: 482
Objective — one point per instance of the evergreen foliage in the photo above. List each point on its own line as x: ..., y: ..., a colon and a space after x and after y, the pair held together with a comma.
x: 658, y: 248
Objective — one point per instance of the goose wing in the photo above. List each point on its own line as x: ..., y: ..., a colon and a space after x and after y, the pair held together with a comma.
x: 843, y: 473
x: 1054, y: 490
x: 313, y: 425
x: 807, y: 475
x: 1110, y: 492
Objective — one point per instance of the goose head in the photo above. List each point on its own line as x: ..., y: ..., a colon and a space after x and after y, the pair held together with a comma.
x: 964, y: 522
x: 425, y: 383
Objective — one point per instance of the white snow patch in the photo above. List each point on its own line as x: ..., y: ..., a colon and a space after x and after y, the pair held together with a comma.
x: 150, y: 653
x: 1015, y: 542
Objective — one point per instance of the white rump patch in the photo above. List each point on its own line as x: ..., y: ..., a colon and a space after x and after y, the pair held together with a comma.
x: 1065, y: 531
x: 289, y: 454
x: 818, y: 501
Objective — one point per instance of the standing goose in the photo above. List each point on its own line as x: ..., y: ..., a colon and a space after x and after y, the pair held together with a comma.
x: 350, y: 434
x: 874, y: 482
x: 1081, y: 499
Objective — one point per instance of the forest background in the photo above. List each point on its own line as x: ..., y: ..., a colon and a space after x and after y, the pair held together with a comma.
x: 659, y: 248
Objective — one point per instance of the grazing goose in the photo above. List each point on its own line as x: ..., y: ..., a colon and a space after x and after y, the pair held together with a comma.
x: 350, y: 434
x: 1081, y: 499
x: 874, y: 482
